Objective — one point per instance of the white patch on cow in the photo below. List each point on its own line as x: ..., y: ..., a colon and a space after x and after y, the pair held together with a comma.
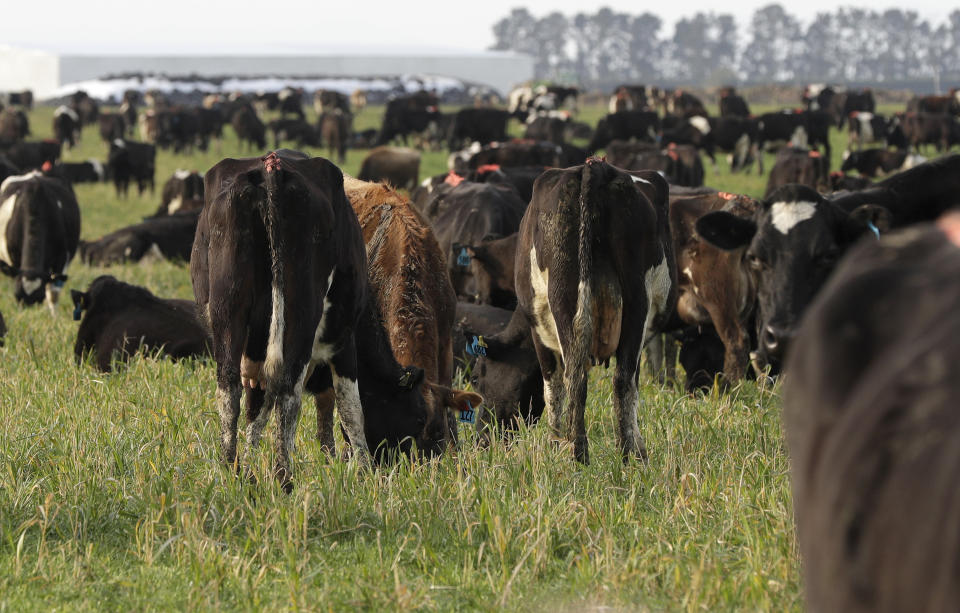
x: 846, y: 155
x: 688, y: 273
x: 544, y: 323
x: 153, y: 254
x: 181, y: 174
x: 59, y: 205
x: 19, y: 178
x: 97, y: 168
x: 912, y: 160
x: 866, y: 127
x: 323, y: 352
x: 351, y: 414
x: 274, y: 361
x: 31, y: 285
x: 700, y: 123
x: 800, y: 139
x: 639, y: 180
x: 128, y: 251
x: 52, y: 296
x: 786, y: 215
x: 6, y: 212
x: 119, y: 143
x: 427, y: 184
x: 657, y: 285
x: 175, y: 205
x: 66, y: 110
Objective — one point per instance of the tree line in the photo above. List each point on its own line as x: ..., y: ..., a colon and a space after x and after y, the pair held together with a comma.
x: 606, y: 48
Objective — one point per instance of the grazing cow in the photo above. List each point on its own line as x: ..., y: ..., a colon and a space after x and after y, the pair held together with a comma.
x: 406, y: 115
x: 808, y: 129
x: 737, y: 136
x: 66, y: 126
x: 14, y: 126
x: 872, y: 428
x: 113, y: 126
x: 694, y: 131
x: 595, y: 279
x: 91, y: 171
x: 119, y: 319
x: 39, y: 230
x: 685, y: 167
x: 296, y: 130
x: 794, y: 165
x: 477, y: 125
x: 250, y: 130
x: 793, y: 242
x: 327, y: 100
x: 491, y: 262
x: 866, y: 128
x: 182, y: 192
x: 155, y: 238
x: 468, y: 213
x: 335, y: 132
x: 911, y: 130
x: 714, y: 286
x: 732, y: 104
x: 507, y: 375
x: 701, y: 356
x: 128, y: 161
x: 29, y: 155
x: 416, y: 302
x: 397, y: 166
x: 641, y: 125
x: 875, y: 162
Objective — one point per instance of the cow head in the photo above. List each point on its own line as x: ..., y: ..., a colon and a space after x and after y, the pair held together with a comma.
x: 793, y: 244
x: 395, y: 411
x: 445, y: 406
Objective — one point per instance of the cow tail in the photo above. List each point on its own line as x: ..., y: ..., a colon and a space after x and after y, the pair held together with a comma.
x: 32, y: 258
x: 583, y: 319
x: 270, y: 214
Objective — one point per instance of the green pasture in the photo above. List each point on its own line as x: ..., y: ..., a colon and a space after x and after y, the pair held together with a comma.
x: 112, y: 498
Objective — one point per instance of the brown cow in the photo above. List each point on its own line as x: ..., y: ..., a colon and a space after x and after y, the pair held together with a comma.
x: 492, y: 263
x: 407, y: 273
x: 715, y: 286
x: 795, y: 165
x: 335, y: 132
x: 398, y: 166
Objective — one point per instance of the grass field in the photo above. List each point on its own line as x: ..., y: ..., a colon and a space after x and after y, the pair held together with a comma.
x: 111, y: 496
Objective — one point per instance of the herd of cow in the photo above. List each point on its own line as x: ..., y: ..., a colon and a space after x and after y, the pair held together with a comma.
x: 534, y: 261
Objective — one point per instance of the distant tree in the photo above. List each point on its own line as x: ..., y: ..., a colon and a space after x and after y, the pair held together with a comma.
x: 775, y: 49
x: 703, y: 45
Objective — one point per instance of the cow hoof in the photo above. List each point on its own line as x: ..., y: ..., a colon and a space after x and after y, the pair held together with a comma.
x: 580, y: 451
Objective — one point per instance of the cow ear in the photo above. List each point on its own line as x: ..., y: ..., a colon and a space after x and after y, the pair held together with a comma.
x: 725, y: 230
x: 461, y: 400
x: 868, y: 219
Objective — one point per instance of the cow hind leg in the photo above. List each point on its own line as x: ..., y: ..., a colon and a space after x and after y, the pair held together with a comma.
x: 554, y: 393
x: 626, y: 401
x: 344, y: 369
x: 288, y: 413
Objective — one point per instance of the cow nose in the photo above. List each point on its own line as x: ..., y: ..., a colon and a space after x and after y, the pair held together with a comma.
x: 775, y: 340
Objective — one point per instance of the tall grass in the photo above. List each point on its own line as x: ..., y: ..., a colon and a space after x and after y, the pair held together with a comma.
x: 111, y: 496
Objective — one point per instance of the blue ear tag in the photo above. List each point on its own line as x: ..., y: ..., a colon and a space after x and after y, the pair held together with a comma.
x: 874, y: 229
x: 77, y: 312
x: 463, y: 258
x: 477, y: 347
x: 59, y: 283
x: 468, y: 415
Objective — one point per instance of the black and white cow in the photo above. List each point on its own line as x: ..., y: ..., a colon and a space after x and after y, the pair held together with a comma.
x: 91, y: 171
x: 183, y: 191
x: 876, y: 162
x: 279, y: 269
x: 130, y: 161
x: 625, y: 125
x: 66, y: 126
x: 807, y: 129
x: 793, y: 244
x: 166, y: 237
x: 39, y: 231
x: 872, y: 427
x: 595, y: 279
x: 33, y: 155
x: 118, y: 319
x: 866, y: 128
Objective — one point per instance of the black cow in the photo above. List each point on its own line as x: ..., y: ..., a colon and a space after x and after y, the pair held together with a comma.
x: 491, y: 262
x: 406, y: 115
x: 119, y: 319
x: 279, y: 268
x: 91, y: 171
x: 182, y: 192
x: 33, y: 155
x: 112, y: 126
x: 128, y: 161
x: 398, y: 166
x: 732, y: 104
x: 841, y: 182
x: 477, y: 125
x: 911, y: 130
x: 296, y: 130
x: 872, y: 427
x: 39, y: 230
x: 626, y: 125
x: 737, y: 136
x: 250, y: 130
x: 520, y: 177
x: 866, y: 128
x: 876, y: 162
x: 595, y: 279
x: 66, y: 126
x: 694, y: 131
x: 808, y: 129
x: 290, y: 100
x: 169, y: 237
x: 682, y: 104
x: 14, y: 126
x: 795, y: 240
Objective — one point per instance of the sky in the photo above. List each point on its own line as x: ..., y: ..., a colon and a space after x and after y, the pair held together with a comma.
x: 299, y: 26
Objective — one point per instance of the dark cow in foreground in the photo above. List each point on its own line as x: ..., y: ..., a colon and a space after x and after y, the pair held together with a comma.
x: 280, y: 270
x: 876, y: 162
x: 119, y: 319
x: 793, y: 243
x: 509, y: 379
x: 129, y: 161
x: 626, y: 125
x: 407, y: 273
x: 398, y: 166
x: 714, y: 286
x: 795, y: 165
x: 182, y: 192
x: 595, y: 280
x: 66, y: 126
x: 872, y: 427
x: 91, y: 171
x: 168, y: 237
x: 39, y: 231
